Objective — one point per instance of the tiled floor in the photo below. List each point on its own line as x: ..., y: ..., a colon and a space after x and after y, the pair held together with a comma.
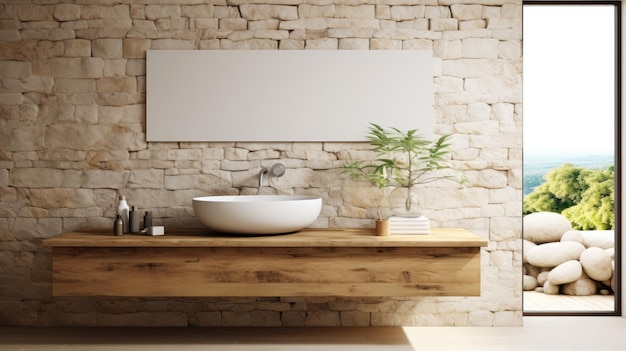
x: 538, y: 334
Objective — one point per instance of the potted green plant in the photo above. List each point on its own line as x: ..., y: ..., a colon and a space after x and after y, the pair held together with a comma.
x: 404, y: 161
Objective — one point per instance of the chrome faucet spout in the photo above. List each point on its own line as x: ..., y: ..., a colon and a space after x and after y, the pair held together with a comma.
x: 261, y: 173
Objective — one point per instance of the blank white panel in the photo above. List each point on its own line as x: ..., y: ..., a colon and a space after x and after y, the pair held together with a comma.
x: 286, y: 95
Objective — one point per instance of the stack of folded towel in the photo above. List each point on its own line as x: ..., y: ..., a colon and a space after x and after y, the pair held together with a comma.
x: 409, y: 225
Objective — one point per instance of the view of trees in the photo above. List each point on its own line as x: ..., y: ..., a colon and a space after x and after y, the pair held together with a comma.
x: 584, y: 196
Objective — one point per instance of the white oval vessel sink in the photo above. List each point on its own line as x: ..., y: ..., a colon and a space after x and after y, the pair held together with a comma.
x: 257, y: 214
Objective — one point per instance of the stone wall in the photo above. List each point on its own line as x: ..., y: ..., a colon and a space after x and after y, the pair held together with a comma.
x: 72, y: 138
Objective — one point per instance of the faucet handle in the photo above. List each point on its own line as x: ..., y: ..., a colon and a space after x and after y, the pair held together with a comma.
x: 278, y: 169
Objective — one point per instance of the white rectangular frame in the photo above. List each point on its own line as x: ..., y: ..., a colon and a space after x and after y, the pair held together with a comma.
x: 286, y: 95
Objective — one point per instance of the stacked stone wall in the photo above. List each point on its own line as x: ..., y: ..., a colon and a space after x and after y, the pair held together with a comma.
x: 72, y: 139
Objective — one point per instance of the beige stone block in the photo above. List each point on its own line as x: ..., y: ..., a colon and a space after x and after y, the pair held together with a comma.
x: 67, y: 12
x: 291, y: 44
x: 353, y: 23
x: 194, y: 11
x: 226, y: 12
x: 206, y: 23
x: 444, y: 24
x: 268, y: 24
x: 354, y: 44
x: 117, y: 84
x: 61, y: 198
x: 85, y: 137
x: 15, y: 69
x: 464, y: 12
x: 87, y: 114
x: 480, y: 48
x: 114, y: 68
x: 510, y: 49
x: 351, y: 33
x: 355, y: 319
x: 63, y: 85
x: 251, y: 318
x: 10, y: 24
x: 172, y: 24
x: 359, y: 11
x: 293, y: 319
x: 323, y: 319
x: 44, y: 178
x: 233, y: 24
x: 512, y: 10
x: 271, y: 34
x: 504, y: 23
x: 9, y: 35
x: 98, y: 179
x: 184, y: 154
x: 84, y: 67
x: 146, y: 179
x: 307, y: 23
x: 110, y: 28
x: 138, y: 11
x: 255, y: 12
x: 403, y: 13
x: 28, y: 13
x: 420, y: 24
x: 241, y: 35
x: 90, y: 12
x: 154, y: 12
x: 385, y: 44
x: 10, y: 98
x: 77, y: 48
x: 143, y: 28
x: 321, y: 44
x: 472, y: 25
x: 136, y: 48
x: 107, y: 48
x: 417, y: 44
x: 4, y: 177
x: 316, y: 11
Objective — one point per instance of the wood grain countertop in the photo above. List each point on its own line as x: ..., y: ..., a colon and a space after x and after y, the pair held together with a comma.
x: 200, y: 237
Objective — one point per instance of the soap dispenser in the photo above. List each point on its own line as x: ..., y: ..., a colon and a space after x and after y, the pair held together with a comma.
x: 122, y: 210
x: 133, y: 218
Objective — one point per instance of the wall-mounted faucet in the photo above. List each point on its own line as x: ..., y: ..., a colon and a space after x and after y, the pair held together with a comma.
x: 277, y: 170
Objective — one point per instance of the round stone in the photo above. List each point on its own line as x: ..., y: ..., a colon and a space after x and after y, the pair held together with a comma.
x: 581, y: 287
x: 545, y: 227
x: 553, y: 254
x: 597, y: 263
x: 566, y: 272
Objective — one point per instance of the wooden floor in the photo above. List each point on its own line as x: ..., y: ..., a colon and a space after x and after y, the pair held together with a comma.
x: 540, y: 302
x: 538, y: 333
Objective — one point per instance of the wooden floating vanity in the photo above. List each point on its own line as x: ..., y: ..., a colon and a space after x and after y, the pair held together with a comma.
x: 311, y: 262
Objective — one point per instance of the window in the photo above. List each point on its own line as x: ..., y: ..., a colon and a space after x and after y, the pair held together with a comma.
x: 572, y: 116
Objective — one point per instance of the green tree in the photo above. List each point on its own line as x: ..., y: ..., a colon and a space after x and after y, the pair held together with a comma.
x: 583, y: 196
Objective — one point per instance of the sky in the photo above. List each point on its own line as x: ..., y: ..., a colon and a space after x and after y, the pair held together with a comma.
x: 569, y: 78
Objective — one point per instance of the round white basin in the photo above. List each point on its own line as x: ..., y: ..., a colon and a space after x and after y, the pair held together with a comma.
x: 257, y: 214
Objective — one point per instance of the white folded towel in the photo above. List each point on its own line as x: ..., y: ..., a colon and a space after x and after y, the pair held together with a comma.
x: 409, y: 225
x: 408, y: 232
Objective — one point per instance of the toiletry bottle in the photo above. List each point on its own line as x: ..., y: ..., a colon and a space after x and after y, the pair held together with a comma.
x: 118, y: 226
x: 134, y: 217
x: 147, y: 220
x: 122, y: 210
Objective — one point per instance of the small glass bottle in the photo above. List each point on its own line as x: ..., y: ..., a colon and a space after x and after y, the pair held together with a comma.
x: 133, y: 216
x: 147, y: 219
x: 122, y: 210
x: 118, y: 226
